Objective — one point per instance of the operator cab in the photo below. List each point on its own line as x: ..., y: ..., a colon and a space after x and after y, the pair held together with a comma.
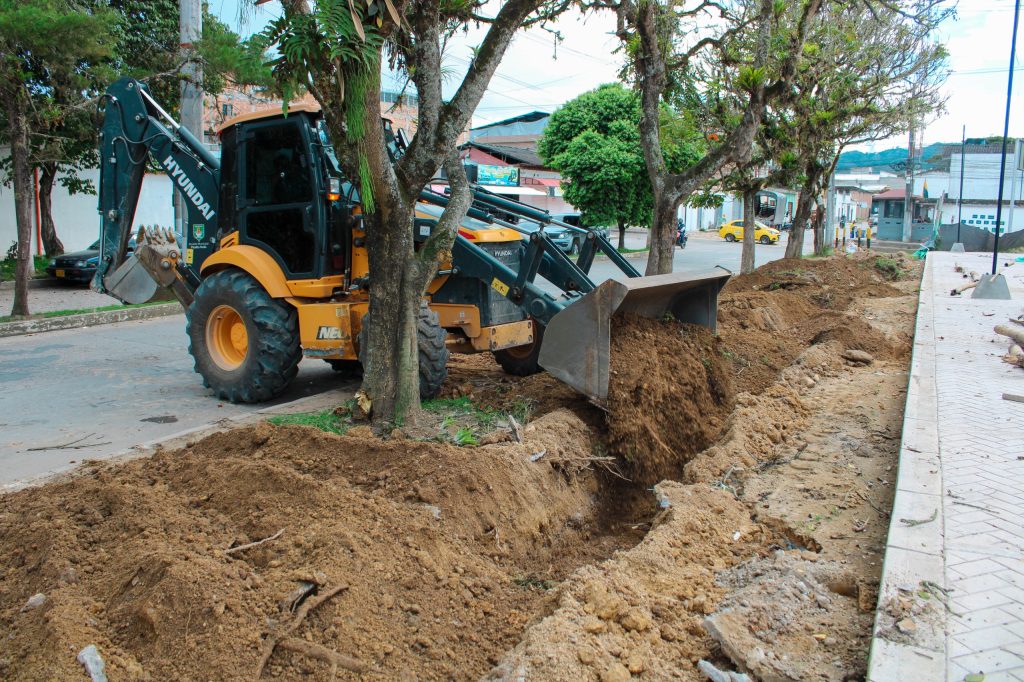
x: 282, y: 191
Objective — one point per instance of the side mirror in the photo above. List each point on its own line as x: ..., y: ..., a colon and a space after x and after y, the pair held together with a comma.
x: 403, y: 139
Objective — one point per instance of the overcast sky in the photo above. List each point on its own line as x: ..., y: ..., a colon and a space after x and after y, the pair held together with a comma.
x: 536, y: 74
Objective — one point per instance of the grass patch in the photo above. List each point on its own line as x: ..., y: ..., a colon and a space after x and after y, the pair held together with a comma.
x: 325, y: 421
x: 462, y: 422
x: 628, y: 250
x: 890, y: 267
x: 9, y: 265
x: 458, y: 421
x: 78, y: 311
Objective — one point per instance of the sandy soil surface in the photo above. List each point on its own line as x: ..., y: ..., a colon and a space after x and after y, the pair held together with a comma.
x: 547, y: 556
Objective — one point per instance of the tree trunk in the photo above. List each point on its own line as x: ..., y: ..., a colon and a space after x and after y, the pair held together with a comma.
x: 391, y: 359
x: 18, y: 135
x: 622, y: 234
x: 747, y: 257
x: 820, y: 247
x: 663, y: 233
x: 51, y: 243
x: 795, y: 245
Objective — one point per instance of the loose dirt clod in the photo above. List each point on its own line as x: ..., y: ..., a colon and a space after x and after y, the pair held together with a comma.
x: 669, y: 394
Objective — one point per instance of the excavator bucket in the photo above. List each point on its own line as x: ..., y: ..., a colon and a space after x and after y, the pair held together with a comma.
x: 577, y: 341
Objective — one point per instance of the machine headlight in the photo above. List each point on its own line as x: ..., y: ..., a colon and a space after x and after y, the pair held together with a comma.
x: 79, y: 263
x: 53, y: 261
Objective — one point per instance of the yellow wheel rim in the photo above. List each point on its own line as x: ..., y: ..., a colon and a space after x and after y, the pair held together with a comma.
x: 226, y: 337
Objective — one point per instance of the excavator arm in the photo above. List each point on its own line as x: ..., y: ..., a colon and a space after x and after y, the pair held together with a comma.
x: 135, y: 130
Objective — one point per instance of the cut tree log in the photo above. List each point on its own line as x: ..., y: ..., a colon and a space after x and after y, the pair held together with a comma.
x: 961, y: 289
x: 858, y: 356
x: 1013, y: 332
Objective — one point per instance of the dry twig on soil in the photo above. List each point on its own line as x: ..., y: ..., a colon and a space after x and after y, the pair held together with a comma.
x: 275, y: 640
x: 239, y: 548
x: 320, y: 652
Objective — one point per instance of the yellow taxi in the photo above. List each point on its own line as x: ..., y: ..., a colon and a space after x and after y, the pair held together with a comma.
x: 733, y: 231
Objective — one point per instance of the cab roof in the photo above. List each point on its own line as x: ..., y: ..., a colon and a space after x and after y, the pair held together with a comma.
x: 270, y: 112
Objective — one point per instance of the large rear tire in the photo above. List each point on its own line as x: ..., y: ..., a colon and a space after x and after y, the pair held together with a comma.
x: 433, y: 353
x: 245, y: 344
x: 521, y: 361
x: 730, y: 237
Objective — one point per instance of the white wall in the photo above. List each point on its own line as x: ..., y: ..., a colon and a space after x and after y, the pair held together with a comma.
x: 77, y: 218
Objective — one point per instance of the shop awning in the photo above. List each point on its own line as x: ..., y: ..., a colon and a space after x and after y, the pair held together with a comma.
x: 547, y: 182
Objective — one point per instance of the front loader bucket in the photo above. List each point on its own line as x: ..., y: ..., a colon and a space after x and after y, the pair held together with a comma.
x: 577, y: 341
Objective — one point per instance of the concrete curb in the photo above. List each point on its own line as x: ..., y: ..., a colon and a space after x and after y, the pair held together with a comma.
x: 311, y: 403
x: 50, y: 324
x: 914, y: 555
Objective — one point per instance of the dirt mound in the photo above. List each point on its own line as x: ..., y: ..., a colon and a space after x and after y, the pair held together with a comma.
x: 767, y: 318
x: 827, y: 282
x: 441, y: 554
x: 669, y: 394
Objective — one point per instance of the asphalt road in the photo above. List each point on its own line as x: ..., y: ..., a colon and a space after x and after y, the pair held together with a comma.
x: 703, y: 252
x: 111, y: 387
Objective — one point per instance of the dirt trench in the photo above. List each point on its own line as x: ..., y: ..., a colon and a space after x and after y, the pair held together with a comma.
x: 546, y: 559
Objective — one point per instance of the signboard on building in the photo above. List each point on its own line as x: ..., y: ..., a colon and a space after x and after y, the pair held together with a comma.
x: 497, y: 175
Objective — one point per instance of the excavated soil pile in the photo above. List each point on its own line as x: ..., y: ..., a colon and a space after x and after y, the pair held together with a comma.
x: 440, y: 555
x: 283, y: 551
x: 767, y: 318
x: 669, y: 394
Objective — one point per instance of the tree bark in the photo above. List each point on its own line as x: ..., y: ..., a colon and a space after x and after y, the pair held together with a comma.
x: 818, y: 223
x: 795, y: 244
x: 622, y: 234
x: 18, y: 135
x: 662, y: 237
x: 51, y: 243
x: 747, y: 257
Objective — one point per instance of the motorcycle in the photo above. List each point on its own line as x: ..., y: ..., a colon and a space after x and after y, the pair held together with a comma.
x: 681, y: 238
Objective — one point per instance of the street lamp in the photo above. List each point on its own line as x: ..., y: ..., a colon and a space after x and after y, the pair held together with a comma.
x: 994, y: 285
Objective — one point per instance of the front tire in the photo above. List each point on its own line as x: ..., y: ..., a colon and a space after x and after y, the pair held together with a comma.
x: 521, y: 361
x: 245, y: 344
x: 574, y: 250
x: 766, y: 240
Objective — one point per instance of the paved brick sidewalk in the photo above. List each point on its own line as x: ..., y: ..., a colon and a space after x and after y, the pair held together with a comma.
x: 957, y: 531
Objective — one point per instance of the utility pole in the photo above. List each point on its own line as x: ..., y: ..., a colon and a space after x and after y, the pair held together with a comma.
x: 1013, y: 185
x: 908, y: 198
x: 190, y: 25
x: 1006, y: 131
x: 960, y: 195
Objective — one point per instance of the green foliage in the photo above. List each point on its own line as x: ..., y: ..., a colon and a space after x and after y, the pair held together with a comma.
x: 465, y: 436
x: 594, y: 142
x: 890, y: 267
x: 146, y: 46
x: 8, y: 265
